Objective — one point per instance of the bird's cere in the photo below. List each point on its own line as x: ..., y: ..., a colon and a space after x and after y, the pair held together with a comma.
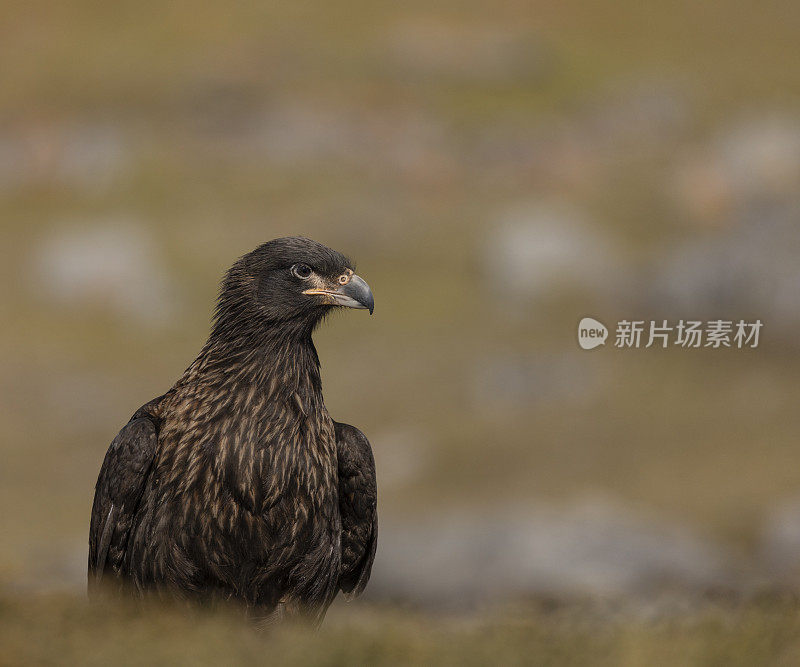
x: 351, y: 293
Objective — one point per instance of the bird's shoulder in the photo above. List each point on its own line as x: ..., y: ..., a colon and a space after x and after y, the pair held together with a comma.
x: 119, y: 489
x: 131, y: 453
x: 355, y: 452
x: 358, y: 496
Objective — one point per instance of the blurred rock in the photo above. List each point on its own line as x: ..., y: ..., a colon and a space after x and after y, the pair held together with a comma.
x: 114, y: 264
x: 86, y: 155
x: 219, y: 108
x: 586, y: 148
x: 755, y: 161
x: 300, y: 134
x: 702, y: 190
x: 54, y: 566
x: 91, y: 156
x: 747, y: 271
x: 591, y: 548
x: 537, y: 249
x: 762, y: 156
x: 780, y: 540
x: 519, y: 382
x: 303, y: 135
x: 473, y: 53
x: 634, y: 117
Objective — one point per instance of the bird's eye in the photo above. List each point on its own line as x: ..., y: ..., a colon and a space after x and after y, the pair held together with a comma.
x: 302, y: 271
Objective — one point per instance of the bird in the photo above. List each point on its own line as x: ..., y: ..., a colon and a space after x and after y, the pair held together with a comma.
x: 236, y: 484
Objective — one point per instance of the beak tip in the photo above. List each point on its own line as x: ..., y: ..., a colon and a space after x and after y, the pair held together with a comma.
x: 355, y: 294
x: 362, y: 293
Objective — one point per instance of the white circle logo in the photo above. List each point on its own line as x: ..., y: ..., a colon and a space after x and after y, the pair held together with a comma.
x: 591, y: 333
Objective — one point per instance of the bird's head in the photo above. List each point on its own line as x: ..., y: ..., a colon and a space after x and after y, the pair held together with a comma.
x: 291, y: 279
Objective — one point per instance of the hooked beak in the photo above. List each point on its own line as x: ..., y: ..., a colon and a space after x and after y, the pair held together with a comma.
x: 355, y: 294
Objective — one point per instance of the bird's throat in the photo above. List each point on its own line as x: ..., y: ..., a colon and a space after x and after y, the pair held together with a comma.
x: 276, y: 369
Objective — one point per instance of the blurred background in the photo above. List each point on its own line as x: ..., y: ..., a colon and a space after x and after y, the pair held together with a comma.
x: 499, y: 171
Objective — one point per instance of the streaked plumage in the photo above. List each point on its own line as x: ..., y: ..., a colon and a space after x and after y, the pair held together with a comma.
x: 236, y: 483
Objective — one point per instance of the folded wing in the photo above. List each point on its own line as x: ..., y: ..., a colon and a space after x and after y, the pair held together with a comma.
x: 358, y: 499
x: 118, y: 493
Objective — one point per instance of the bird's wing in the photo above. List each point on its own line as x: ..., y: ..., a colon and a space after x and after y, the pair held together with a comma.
x: 358, y: 498
x: 118, y: 492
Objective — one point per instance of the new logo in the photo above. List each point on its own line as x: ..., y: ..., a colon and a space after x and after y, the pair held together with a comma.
x: 591, y: 333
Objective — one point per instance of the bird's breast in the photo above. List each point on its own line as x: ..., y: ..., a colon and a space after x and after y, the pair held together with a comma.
x: 254, y: 455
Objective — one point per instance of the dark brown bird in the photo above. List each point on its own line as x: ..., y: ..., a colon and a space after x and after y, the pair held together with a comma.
x: 236, y: 483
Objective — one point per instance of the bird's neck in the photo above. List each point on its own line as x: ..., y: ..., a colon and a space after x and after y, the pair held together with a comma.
x: 276, y: 365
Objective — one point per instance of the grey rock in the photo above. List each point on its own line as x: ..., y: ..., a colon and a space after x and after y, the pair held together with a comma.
x: 55, y: 566
x: 752, y: 161
x: 743, y: 185
x: 779, y: 547
x: 113, y: 264
x: 629, y: 122
x: 521, y: 381
x: 762, y: 155
x: 634, y: 117
x: 538, y: 248
x: 87, y: 155
x: 591, y: 548
x: 747, y: 271
x: 469, y: 53
x: 92, y: 156
x: 299, y: 135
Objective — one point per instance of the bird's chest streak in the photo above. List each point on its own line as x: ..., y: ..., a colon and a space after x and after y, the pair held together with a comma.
x: 250, y: 448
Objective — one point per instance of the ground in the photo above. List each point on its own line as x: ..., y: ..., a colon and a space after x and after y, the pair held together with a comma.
x: 63, y: 630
